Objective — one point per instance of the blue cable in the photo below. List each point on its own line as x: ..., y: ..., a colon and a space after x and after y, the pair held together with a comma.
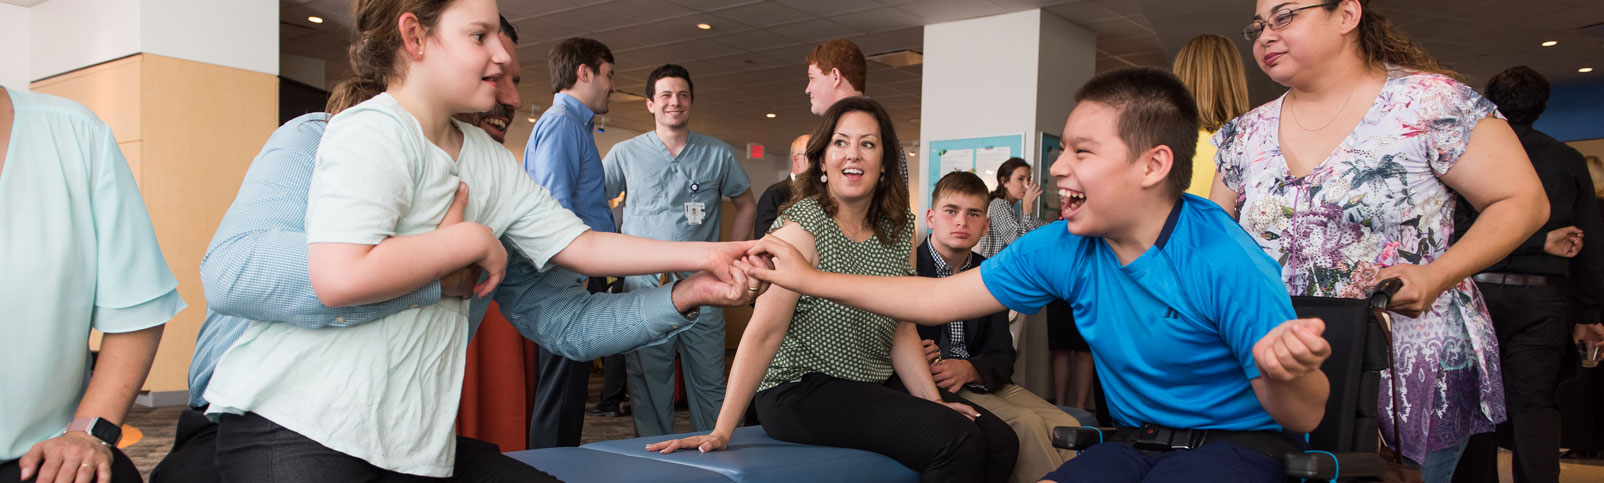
x: 1334, y: 461
x: 1099, y: 437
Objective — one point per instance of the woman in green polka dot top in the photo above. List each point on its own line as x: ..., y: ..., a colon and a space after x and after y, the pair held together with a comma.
x: 831, y: 375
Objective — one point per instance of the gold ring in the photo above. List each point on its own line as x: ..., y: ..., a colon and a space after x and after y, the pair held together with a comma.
x: 85, y: 465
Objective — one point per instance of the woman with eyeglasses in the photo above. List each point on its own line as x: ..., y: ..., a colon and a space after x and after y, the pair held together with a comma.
x: 1351, y: 177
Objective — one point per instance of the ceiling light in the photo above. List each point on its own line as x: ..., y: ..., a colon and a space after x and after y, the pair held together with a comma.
x: 704, y: 26
x: 1550, y: 43
x: 315, y: 19
x: 1585, y: 70
x: 770, y: 115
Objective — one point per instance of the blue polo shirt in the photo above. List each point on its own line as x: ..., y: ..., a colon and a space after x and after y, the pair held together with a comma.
x: 1173, y: 331
x: 562, y: 156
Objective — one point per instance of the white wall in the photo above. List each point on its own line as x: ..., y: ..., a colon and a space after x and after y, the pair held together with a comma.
x: 72, y: 34
x: 14, y: 35
x: 1010, y: 74
x: 67, y: 35
x: 232, y: 33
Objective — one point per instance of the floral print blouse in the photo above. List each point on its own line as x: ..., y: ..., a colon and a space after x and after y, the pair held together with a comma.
x: 1376, y: 201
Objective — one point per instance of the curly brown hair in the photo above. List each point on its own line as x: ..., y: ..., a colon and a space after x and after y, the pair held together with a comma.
x: 888, y: 212
x: 1383, y: 44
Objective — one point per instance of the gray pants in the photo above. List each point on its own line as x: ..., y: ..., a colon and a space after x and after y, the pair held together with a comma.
x: 651, y: 373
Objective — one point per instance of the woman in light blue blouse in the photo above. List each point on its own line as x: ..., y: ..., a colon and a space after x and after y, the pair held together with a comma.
x: 78, y: 252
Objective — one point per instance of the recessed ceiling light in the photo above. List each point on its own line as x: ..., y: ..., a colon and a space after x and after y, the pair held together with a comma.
x: 772, y: 116
x: 704, y: 26
x: 1585, y: 70
x: 315, y: 19
x: 1550, y: 43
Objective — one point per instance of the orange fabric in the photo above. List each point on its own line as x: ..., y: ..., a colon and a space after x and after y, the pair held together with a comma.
x: 497, y: 385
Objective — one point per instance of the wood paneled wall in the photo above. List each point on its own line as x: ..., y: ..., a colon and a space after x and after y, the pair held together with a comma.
x: 189, y: 131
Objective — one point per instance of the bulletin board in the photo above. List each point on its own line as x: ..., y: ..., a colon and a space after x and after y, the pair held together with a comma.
x: 981, y: 156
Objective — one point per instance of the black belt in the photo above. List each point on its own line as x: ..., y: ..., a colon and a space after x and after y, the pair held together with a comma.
x: 1155, y: 438
x: 1517, y: 279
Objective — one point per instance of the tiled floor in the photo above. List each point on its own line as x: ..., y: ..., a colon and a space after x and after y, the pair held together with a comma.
x: 156, y: 426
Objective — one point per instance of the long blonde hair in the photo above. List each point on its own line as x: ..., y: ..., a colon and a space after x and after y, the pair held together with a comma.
x: 1212, y: 69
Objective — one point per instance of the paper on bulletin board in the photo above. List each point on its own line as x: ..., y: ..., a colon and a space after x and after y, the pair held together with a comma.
x: 1049, y: 148
x: 957, y: 160
x: 988, y: 160
x: 964, y: 152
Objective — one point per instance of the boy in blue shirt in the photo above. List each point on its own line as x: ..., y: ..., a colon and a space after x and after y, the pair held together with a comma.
x: 1187, y: 318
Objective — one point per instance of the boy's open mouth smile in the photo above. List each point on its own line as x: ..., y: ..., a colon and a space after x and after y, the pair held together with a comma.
x: 1072, y: 201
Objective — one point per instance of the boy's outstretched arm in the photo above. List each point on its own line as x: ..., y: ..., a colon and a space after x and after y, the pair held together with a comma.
x: 921, y: 300
x: 1290, y: 385
x: 598, y: 254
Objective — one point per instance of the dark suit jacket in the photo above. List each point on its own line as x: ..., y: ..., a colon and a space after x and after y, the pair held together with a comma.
x: 768, y: 206
x: 991, y: 346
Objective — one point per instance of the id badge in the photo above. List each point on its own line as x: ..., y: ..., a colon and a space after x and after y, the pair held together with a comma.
x: 695, y: 211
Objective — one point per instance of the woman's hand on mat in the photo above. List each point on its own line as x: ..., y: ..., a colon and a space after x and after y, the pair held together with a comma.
x: 1292, y: 350
x: 790, y: 268
x: 75, y: 456
x: 707, y: 442
x: 1420, y: 288
x: 963, y: 409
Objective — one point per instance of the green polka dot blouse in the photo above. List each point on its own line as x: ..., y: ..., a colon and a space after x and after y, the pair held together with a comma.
x: 828, y: 337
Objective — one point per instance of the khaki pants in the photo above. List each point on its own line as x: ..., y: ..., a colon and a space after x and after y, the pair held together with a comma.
x: 1032, y: 419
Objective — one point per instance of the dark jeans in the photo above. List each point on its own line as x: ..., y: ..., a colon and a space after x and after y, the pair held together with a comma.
x: 558, y: 416
x: 122, y: 470
x: 252, y: 449
x: 930, y: 438
x: 1534, y: 335
x: 1120, y: 463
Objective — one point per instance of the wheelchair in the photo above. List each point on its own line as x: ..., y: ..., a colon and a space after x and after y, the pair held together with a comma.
x: 1343, y: 446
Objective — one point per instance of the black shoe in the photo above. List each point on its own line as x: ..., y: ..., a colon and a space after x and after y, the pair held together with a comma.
x: 605, y: 413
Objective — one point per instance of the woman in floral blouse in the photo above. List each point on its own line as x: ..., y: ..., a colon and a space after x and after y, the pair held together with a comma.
x: 1359, y: 186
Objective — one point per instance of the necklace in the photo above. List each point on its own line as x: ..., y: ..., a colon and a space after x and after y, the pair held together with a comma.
x: 1334, y: 117
x: 855, y: 233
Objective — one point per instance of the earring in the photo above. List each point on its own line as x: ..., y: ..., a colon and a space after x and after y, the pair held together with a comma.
x: 822, y: 179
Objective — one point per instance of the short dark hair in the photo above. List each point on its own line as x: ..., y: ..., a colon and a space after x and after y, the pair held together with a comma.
x: 1520, y: 92
x: 668, y: 70
x: 1155, y: 109
x: 958, y: 183
x: 510, y: 31
x: 566, y: 57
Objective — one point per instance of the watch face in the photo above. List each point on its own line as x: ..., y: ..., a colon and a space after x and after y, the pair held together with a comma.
x: 106, y: 431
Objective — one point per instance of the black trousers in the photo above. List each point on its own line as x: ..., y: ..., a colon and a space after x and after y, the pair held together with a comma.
x: 939, y: 443
x: 122, y: 470
x: 614, y: 378
x: 1534, y: 335
x: 558, y: 416
x: 251, y: 449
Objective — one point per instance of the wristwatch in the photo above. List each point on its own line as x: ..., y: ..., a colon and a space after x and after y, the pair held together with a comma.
x: 101, y: 429
x: 692, y: 314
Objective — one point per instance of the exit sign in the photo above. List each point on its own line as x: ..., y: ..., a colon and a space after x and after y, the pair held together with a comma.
x: 754, y: 151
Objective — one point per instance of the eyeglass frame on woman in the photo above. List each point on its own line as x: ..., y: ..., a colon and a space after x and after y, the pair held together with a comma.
x: 1256, y: 28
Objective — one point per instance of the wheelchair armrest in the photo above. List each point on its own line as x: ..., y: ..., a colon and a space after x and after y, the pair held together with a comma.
x: 1076, y: 438
x: 1326, y: 466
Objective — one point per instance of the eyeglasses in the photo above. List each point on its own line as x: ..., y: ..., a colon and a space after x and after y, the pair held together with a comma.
x: 1278, y: 20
